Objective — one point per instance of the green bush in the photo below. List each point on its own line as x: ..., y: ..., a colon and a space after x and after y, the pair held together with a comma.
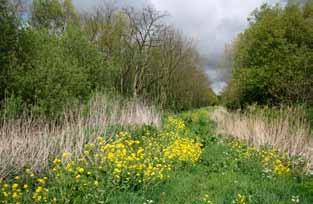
x: 273, y: 58
x: 8, y: 45
x: 50, y: 79
x: 56, y: 71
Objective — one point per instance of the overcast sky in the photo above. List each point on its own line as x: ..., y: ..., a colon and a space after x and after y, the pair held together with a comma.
x: 211, y: 23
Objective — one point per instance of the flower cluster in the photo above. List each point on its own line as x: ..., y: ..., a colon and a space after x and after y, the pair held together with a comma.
x: 183, y: 149
x: 175, y: 123
x: 127, y: 160
x: 18, y: 189
x: 124, y: 162
x: 12, y: 192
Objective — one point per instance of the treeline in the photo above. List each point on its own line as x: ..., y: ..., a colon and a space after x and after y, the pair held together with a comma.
x: 57, y: 57
x: 273, y: 58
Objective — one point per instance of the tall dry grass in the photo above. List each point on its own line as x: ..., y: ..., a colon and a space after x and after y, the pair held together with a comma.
x: 31, y: 143
x: 285, y: 129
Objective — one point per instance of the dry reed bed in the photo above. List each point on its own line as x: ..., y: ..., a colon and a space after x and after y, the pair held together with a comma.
x: 288, y: 131
x: 32, y: 143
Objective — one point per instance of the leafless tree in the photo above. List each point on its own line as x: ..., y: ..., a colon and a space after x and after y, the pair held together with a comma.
x: 146, y: 27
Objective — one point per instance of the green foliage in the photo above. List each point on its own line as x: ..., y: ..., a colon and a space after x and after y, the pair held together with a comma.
x: 273, y: 58
x: 53, y: 14
x: 51, y: 71
x: 8, y: 44
x: 48, y: 13
x: 51, y: 78
x: 54, y: 72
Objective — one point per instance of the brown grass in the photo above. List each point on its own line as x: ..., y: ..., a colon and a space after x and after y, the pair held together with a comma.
x: 287, y: 130
x: 32, y: 143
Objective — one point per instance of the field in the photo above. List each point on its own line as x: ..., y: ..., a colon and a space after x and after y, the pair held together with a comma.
x: 184, y: 161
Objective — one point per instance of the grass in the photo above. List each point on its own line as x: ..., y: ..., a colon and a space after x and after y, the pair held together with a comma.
x: 228, y: 171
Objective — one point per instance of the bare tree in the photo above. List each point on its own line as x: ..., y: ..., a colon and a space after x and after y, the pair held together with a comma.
x: 145, y: 29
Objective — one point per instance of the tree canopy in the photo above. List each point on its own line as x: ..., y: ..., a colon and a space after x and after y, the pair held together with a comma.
x: 273, y: 58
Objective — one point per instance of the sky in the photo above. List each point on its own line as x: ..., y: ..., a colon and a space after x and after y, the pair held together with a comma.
x: 210, y: 23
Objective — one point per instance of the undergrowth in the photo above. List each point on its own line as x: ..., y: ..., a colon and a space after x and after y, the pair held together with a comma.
x: 183, y: 162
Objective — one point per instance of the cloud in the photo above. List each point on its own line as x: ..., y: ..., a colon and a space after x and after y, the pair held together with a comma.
x: 85, y: 5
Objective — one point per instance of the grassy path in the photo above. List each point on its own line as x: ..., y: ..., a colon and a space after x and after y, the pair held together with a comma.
x: 223, y: 177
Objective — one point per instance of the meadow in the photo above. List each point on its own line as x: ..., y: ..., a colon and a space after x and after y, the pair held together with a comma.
x: 182, y: 161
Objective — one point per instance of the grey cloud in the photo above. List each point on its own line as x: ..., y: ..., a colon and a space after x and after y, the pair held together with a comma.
x: 85, y: 5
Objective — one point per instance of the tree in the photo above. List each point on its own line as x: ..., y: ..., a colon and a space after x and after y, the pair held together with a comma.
x: 8, y: 44
x: 53, y: 14
x: 145, y: 29
x: 273, y: 57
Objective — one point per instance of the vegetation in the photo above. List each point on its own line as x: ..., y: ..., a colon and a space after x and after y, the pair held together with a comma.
x: 287, y: 129
x: 34, y: 142
x: 183, y: 162
x: 58, y: 58
x: 271, y: 80
x: 269, y: 97
x: 272, y: 59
